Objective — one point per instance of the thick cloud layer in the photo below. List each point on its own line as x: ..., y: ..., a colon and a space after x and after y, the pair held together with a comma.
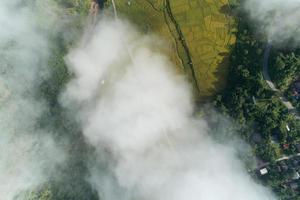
x: 278, y: 19
x: 28, y: 155
x: 138, y: 115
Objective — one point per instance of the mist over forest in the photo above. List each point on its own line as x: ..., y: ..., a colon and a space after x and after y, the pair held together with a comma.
x: 93, y: 108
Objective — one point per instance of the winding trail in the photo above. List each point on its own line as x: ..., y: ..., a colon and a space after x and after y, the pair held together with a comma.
x: 266, y: 164
x: 115, y: 9
x: 282, y: 98
x: 269, y: 82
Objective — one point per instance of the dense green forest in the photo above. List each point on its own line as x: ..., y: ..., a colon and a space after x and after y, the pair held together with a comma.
x: 285, y: 71
x: 70, y: 182
x: 258, y: 110
x: 284, y: 66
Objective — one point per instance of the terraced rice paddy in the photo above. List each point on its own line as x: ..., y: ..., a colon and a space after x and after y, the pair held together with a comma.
x: 199, y: 34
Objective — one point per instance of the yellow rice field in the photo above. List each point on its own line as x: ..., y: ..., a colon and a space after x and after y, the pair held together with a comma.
x: 206, y: 29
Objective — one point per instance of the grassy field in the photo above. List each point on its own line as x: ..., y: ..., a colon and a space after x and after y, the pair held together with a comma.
x: 199, y: 34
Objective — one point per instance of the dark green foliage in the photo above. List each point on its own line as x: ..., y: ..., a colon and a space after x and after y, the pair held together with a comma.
x: 70, y: 181
x: 258, y: 110
x: 284, y: 67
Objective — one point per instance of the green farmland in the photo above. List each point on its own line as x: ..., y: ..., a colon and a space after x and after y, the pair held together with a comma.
x: 199, y: 34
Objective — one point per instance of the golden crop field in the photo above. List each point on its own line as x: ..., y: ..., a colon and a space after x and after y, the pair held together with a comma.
x: 208, y: 31
x: 199, y: 34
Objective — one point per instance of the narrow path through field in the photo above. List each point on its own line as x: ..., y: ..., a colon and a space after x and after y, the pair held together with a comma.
x: 94, y: 11
x: 183, y: 42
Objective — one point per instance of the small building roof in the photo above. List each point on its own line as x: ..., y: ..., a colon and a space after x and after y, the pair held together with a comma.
x: 296, y: 176
x: 288, y: 128
x: 263, y: 171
